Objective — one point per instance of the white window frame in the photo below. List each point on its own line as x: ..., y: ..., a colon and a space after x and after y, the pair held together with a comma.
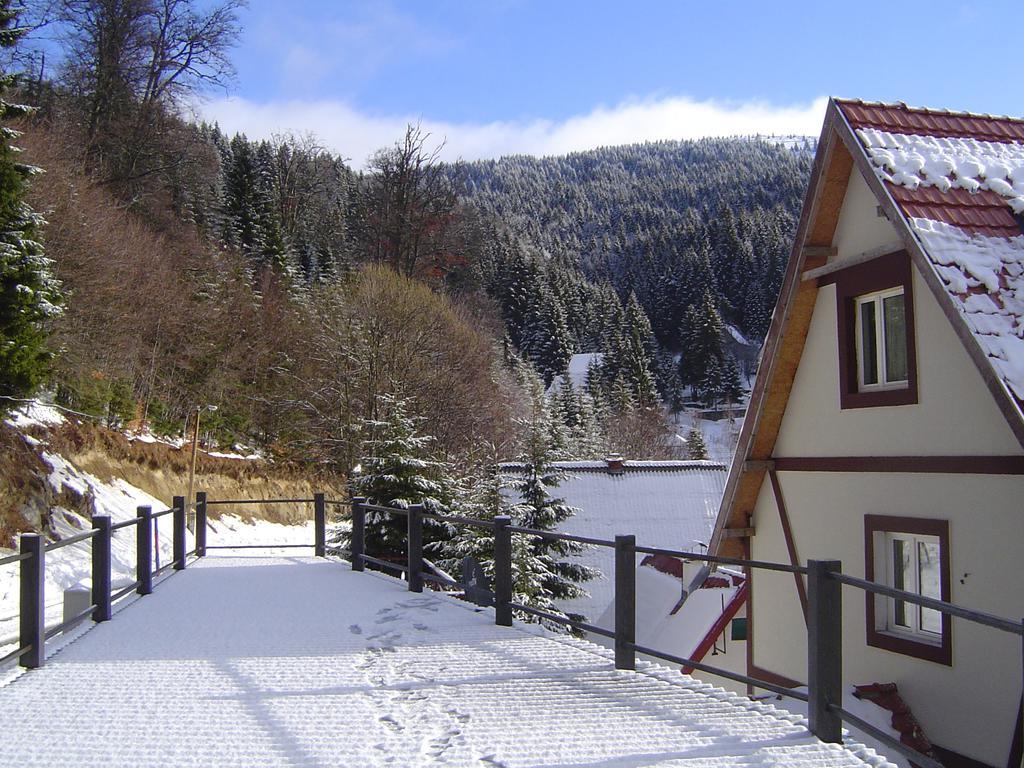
x: 913, y: 626
x: 877, y: 298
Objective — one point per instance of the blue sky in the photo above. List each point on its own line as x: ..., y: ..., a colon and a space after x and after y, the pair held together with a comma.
x: 504, y: 76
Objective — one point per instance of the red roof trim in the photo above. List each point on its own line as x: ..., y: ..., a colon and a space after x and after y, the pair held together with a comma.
x: 731, y: 609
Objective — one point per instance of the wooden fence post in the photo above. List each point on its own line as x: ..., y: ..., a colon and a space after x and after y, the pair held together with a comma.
x: 200, y: 523
x: 625, y: 602
x: 824, y: 650
x: 414, y: 560
x: 357, y: 540
x: 502, y: 571
x: 101, y: 541
x: 32, y: 617
x: 144, y: 551
x: 319, y: 525
x: 179, y: 532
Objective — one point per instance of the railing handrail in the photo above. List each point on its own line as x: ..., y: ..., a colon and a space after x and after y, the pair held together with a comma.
x: 210, y: 502
x: 950, y: 609
x: 54, y: 545
x: 15, y: 558
x: 978, y: 617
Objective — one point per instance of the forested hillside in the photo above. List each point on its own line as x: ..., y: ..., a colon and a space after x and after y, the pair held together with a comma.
x: 399, y: 326
x: 691, y: 234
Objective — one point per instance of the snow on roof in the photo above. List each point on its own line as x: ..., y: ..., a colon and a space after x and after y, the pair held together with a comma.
x: 680, y: 633
x: 299, y: 661
x: 958, y: 179
x: 579, y: 366
x: 671, y: 504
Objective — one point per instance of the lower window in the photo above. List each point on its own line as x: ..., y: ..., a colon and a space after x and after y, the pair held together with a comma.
x: 910, y: 554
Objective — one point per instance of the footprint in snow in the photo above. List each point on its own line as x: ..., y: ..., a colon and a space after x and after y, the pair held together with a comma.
x: 386, y: 619
x: 355, y: 629
x: 492, y: 760
x: 460, y: 716
x: 391, y: 723
x: 421, y: 627
x: 425, y: 604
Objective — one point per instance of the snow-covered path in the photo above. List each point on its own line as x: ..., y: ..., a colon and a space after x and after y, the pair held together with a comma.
x: 300, y: 662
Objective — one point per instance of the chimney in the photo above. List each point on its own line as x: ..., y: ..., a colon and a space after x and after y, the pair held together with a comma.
x: 616, y: 464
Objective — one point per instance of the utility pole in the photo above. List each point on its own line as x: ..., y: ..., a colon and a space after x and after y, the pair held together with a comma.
x: 190, y: 498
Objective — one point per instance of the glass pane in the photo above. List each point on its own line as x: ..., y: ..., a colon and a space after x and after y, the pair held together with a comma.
x: 928, y: 570
x: 895, y: 323
x: 868, y: 344
x: 900, y: 568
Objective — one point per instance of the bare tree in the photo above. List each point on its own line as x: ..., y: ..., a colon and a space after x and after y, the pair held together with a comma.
x: 131, y: 63
x: 409, y: 205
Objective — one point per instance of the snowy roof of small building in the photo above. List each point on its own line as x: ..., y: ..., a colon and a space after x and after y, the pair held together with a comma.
x: 671, y: 504
x: 958, y: 179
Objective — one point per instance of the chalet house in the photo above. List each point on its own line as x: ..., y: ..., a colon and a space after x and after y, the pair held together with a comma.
x: 886, y: 429
x: 670, y: 504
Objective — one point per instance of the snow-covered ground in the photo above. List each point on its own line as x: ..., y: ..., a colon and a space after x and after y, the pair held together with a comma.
x: 71, y: 566
x: 720, y: 437
x: 297, y: 661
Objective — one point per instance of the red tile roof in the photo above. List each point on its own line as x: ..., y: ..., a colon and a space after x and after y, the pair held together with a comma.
x: 899, y: 118
x: 984, y: 212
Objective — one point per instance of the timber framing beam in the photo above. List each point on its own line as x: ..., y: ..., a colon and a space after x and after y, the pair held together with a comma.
x: 947, y: 465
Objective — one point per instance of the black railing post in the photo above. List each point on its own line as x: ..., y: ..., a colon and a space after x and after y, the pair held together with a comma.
x: 824, y: 650
x: 200, y: 523
x: 178, y: 522
x: 144, y: 551
x: 357, y: 540
x: 320, y: 525
x: 101, y: 568
x: 502, y: 571
x: 625, y: 602
x: 415, y: 548
x: 32, y: 612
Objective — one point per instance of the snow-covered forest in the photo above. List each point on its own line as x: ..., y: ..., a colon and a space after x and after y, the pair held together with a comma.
x: 319, y: 305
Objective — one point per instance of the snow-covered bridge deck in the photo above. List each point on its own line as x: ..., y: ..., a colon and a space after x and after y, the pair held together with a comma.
x: 300, y: 662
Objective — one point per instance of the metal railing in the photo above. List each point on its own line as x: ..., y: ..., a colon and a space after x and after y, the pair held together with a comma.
x: 826, y: 714
x: 32, y: 630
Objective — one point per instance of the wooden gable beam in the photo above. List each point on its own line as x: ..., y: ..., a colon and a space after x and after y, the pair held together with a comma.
x: 785, y: 341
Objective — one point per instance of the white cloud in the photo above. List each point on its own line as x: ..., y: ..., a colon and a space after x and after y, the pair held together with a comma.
x: 356, y: 135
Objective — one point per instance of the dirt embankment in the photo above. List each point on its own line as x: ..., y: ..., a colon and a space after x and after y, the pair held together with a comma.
x: 159, y: 469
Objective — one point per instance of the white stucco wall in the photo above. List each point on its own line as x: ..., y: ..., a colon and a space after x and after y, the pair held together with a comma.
x: 971, y: 706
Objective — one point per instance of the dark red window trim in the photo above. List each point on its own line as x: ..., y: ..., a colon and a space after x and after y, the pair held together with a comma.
x: 890, y: 271
x: 941, y: 653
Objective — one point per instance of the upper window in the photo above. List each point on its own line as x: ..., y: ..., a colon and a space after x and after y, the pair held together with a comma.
x: 912, y: 555
x: 881, y: 339
x: 877, y: 351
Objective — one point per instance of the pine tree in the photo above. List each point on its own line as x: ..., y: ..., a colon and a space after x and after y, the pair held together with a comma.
x: 732, y: 387
x: 701, y: 336
x: 710, y: 387
x: 397, y: 470
x: 483, y: 495
x: 556, y: 579
x: 28, y: 291
x: 696, y: 449
x: 638, y: 354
